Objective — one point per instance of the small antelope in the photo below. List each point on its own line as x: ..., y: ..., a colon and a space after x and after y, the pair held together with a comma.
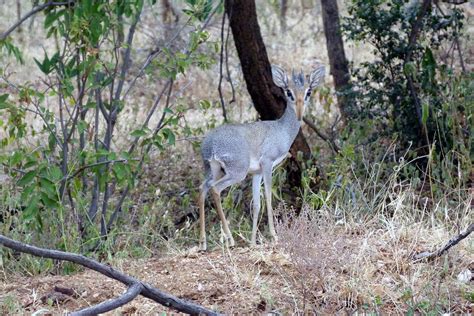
x: 232, y: 151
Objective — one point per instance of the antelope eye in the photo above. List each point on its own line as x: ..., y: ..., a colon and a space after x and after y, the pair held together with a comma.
x: 289, y: 94
x: 308, y: 94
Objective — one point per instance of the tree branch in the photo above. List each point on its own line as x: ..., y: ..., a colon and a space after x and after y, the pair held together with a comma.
x: 147, y: 290
x: 78, y: 171
x: 221, y: 64
x: 31, y: 13
x: 455, y: 2
x: 413, y: 38
x: 324, y: 137
x: 132, y: 292
x: 452, y: 242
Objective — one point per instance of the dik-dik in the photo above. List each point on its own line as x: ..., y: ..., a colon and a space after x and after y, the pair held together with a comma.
x: 232, y: 151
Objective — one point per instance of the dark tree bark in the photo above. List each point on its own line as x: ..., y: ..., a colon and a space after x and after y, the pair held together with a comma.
x: 169, y: 14
x: 267, y: 98
x: 18, y: 14
x: 337, y: 56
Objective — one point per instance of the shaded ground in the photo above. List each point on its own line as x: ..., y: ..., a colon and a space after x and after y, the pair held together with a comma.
x: 364, y: 271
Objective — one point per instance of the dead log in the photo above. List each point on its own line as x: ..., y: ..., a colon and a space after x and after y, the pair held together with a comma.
x: 135, y: 286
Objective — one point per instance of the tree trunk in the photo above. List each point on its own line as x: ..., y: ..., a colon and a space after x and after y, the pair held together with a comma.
x: 267, y: 98
x: 337, y: 56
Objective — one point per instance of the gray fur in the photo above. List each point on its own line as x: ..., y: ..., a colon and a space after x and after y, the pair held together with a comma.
x: 298, y: 79
x: 279, y: 77
x: 316, y: 76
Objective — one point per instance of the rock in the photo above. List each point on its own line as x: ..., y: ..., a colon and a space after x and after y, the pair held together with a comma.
x: 465, y: 276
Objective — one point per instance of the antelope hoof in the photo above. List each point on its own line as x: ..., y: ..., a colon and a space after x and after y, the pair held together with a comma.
x: 231, y: 242
x: 202, y: 245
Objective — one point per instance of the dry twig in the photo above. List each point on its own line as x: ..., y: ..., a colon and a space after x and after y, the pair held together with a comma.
x: 452, y: 242
x: 31, y: 13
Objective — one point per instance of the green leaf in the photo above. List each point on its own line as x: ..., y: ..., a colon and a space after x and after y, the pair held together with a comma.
x: 12, y: 50
x: 51, y: 142
x: 138, y: 133
x: 55, y: 173
x: 27, y: 178
x: 32, y: 208
x: 205, y: 104
x: 16, y: 158
x: 48, y: 187
x: 82, y: 126
x: 158, y: 141
x: 3, y: 97
x: 409, y: 69
x: 43, y: 66
x: 3, y: 101
x: 119, y: 171
x: 47, y: 201
x: 425, y: 111
x: 169, y: 135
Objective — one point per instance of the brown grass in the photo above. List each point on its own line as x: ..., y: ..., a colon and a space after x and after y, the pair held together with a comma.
x: 334, y: 268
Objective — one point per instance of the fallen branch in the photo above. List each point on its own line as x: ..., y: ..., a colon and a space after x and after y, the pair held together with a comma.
x: 132, y: 292
x: 452, y: 242
x: 134, y: 285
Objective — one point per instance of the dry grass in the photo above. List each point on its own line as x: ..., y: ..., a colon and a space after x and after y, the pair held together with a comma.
x: 365, y: 267
x: 369, y: 264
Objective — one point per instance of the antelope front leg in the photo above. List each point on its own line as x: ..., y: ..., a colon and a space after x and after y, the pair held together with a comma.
x: 202, y: 220
x: 256, y: 183
x: 267, y: 183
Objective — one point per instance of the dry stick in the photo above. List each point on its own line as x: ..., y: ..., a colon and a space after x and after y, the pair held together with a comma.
x: 147, y: 290
x: 452, y: 242
x: 31, y: 13
x: 455, y: 2
x: 132, y: 292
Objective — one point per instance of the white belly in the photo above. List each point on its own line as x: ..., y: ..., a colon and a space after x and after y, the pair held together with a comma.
x: 279, y: 160
x: 255, y: 166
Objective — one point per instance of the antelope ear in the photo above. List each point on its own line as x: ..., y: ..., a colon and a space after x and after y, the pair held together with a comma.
x: 279, y: 77
x: 317, y: 76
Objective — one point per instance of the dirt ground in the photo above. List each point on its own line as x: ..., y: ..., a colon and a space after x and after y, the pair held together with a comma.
x: 221, y: 280
x: 370, y: 273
